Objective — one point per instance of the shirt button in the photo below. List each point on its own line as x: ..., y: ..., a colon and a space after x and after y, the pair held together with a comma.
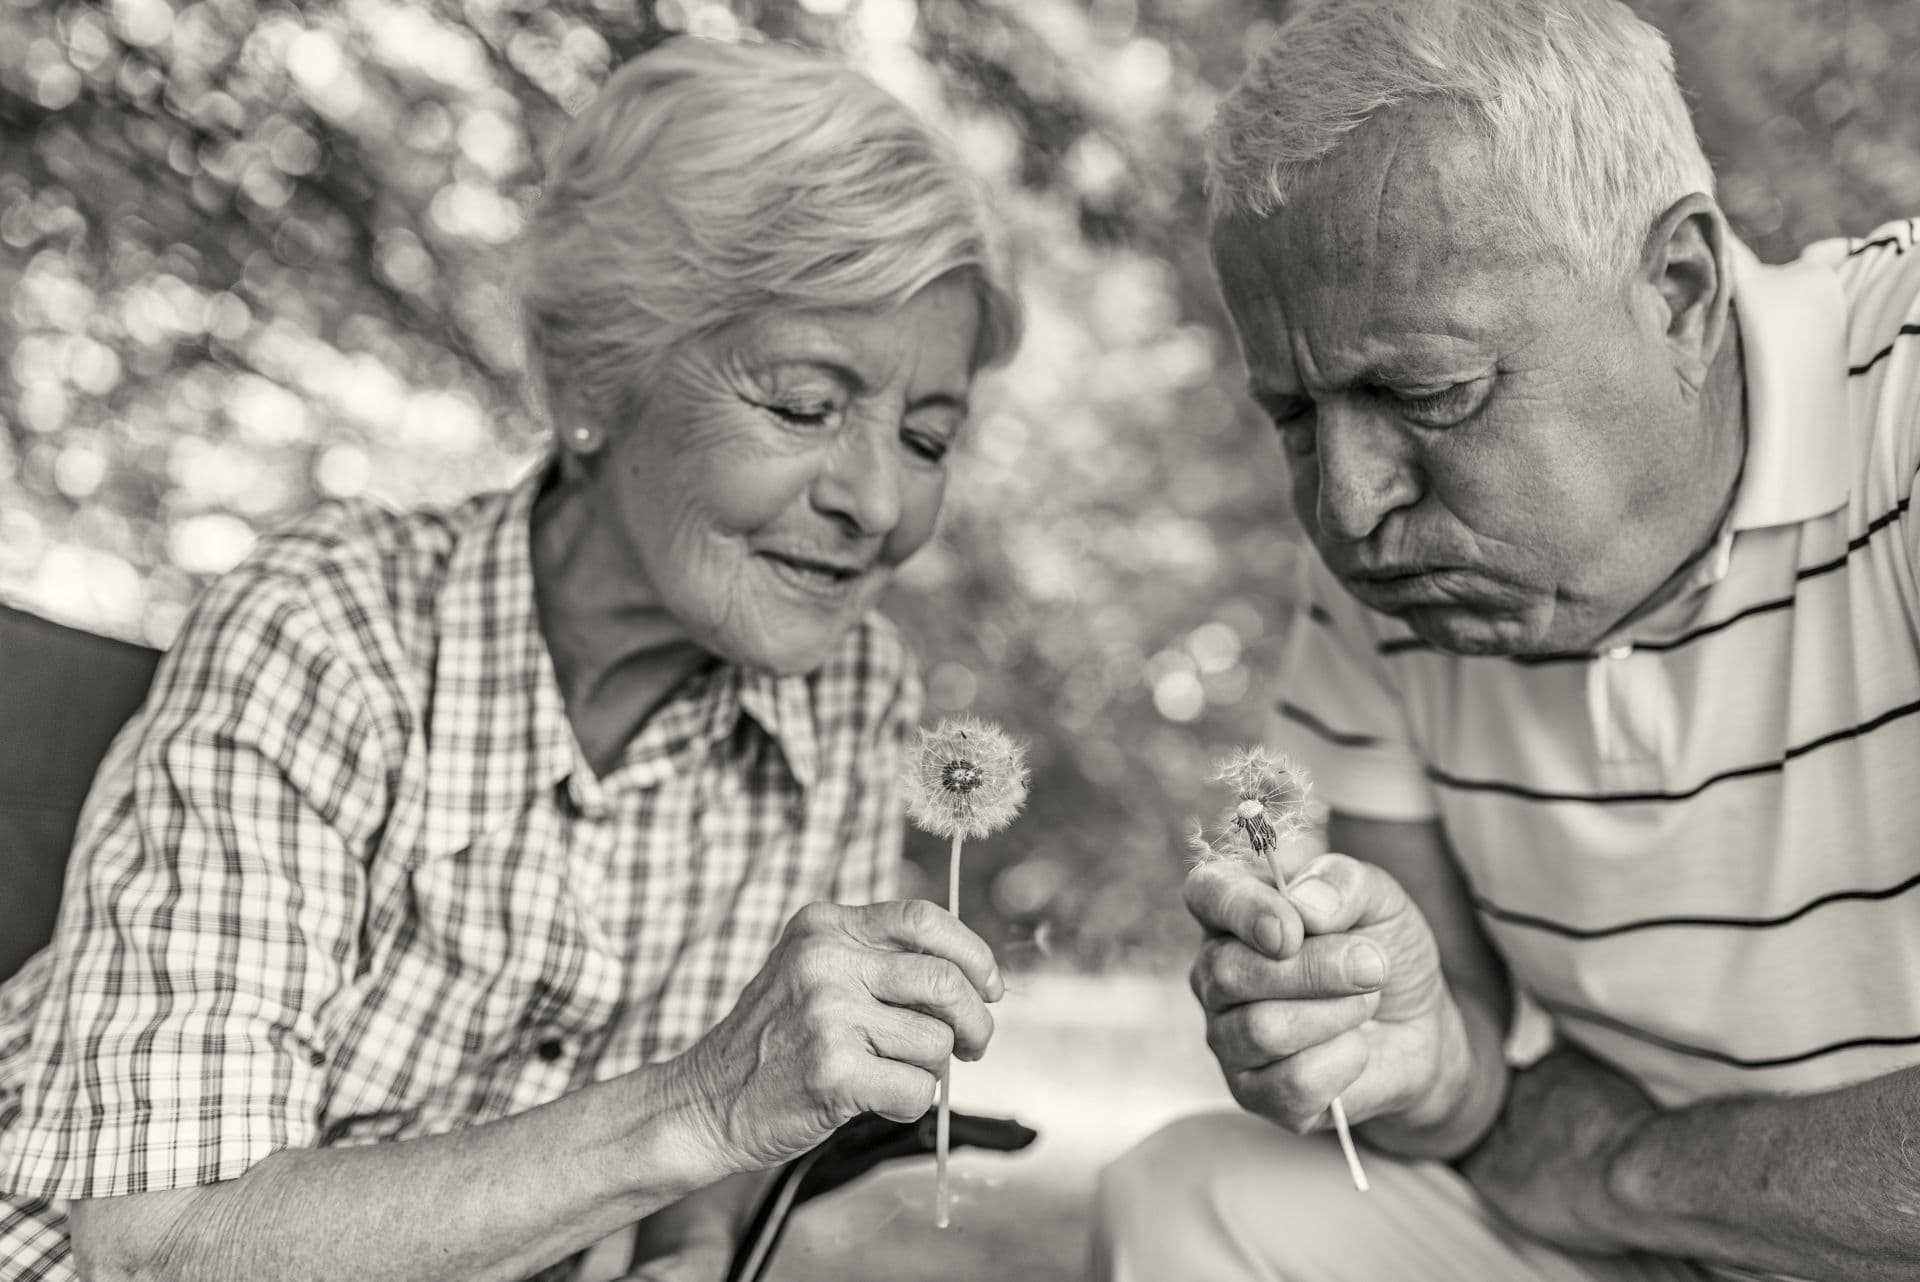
x: 1620, y: 652
x: 551, y: 1049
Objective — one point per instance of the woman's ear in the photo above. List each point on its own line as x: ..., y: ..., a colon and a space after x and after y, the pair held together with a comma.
x: 1686, y: 260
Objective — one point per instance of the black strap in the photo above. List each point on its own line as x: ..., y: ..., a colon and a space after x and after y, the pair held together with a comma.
x: 852, y: 1151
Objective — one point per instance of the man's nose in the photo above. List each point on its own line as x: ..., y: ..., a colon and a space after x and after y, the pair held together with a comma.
x: 1367, y: 470
x: 859, y: 483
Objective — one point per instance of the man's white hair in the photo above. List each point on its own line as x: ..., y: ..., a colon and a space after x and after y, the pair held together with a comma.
x: 1587, y: 130
x: 709, y: 181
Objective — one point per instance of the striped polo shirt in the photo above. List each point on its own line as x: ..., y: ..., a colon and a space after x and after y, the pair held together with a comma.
x: 1698, y: 846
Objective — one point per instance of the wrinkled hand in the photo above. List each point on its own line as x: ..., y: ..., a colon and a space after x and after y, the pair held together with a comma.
x: 1544, y: 1165
x: 1332, y: 988
x: 855, y: 1011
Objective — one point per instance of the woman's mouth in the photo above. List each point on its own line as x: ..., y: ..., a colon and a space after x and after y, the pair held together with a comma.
x: 814, y: 575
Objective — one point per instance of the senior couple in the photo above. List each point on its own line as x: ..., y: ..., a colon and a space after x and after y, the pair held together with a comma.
x: 478, y: 885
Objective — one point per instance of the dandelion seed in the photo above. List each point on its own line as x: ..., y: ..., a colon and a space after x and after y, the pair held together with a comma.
x: 965, y: 778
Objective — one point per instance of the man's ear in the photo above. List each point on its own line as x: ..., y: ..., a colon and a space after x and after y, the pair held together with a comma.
x: 1687, y: 261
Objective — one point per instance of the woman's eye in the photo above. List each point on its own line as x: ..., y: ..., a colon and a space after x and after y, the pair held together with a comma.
x: 805, y: 414
x: 927, y: 446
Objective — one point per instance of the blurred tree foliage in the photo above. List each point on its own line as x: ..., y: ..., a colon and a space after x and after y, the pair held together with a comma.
x: 253, y: 254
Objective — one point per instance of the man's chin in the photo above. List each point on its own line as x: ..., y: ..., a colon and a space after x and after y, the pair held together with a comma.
x: 1458, y: 629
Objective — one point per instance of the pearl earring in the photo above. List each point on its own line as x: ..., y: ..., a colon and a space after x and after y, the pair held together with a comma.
x: 583, y: 436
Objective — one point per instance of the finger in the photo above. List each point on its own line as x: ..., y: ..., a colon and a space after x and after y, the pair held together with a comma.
x: 1298, y: 1091
x: 1228, y: 898
x: 911, y: 1038
x: 932, y: 986
x: 1261, y: 1033
x: 1337, y: 893
x: 898, y: 1092
x: 917, y: 926
x: 1228, y: 973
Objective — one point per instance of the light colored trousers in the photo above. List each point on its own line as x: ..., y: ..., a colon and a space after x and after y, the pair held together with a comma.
x: 1229, y: 1197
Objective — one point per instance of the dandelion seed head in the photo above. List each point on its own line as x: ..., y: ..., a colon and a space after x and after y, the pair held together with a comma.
x: 965, y: 778
x: 1269, y: 802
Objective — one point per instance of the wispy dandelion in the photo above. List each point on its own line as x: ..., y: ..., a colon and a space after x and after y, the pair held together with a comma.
x: 965, y: 778
x: 1269, y: 804
x: 1269, y: 797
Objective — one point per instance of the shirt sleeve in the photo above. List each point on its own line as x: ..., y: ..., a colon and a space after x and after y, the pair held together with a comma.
x: 211, y: 915
x: 1338, y: 715
x: 869, y: 870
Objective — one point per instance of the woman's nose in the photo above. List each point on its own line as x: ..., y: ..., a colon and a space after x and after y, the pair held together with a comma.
x: 859, y: 483
x: 1366, y: 471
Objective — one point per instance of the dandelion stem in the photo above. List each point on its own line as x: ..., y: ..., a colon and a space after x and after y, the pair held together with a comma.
x: 943, y: 1191
x: 1346, y: 1145
x: 953, y: 874
x: 1339, y: 1110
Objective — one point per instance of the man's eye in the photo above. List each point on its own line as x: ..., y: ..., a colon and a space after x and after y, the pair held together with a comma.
x: 1442, y: 408
x: 1294, y: 420
x: 1297, y: 439
x: 1288, y: 412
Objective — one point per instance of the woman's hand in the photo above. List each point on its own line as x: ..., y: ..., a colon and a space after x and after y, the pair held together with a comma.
x: 855, y: 1011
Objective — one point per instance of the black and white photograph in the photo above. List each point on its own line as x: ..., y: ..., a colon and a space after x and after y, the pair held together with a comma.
x: 959, y: 641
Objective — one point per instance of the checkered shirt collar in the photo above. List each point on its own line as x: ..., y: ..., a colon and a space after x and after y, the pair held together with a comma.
x: 499, y: 726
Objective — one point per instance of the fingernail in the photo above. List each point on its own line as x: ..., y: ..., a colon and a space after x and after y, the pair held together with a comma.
x: 1314, y: 895
x: 1366, y: 968
x: 996, y: 987
x: 1271, y: 934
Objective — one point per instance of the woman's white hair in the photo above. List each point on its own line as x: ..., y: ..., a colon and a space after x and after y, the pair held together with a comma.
x: 708, y: 181
x: 1586, y: 126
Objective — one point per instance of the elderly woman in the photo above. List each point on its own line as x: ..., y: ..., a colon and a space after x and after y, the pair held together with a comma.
x: 478, y: 883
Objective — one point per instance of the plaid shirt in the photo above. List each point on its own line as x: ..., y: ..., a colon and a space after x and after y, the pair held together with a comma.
x: 347, y: 877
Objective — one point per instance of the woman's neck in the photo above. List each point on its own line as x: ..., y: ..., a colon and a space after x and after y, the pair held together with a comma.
x: 617, y: 654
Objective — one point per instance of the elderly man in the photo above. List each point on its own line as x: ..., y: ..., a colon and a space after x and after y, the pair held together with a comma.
x: 1609, y: 671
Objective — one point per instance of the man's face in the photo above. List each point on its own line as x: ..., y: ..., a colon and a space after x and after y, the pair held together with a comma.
x: 1506, y: 458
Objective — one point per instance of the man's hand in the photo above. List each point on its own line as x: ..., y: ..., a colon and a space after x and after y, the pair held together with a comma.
x: 1333, y: 987
x: 1544, y: 1165
x: 855, y: 1011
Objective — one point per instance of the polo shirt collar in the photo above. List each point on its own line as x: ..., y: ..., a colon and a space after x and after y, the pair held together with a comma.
x: 1793, y: 328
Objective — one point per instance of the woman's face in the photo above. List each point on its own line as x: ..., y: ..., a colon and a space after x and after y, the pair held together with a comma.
x: 778, y: 470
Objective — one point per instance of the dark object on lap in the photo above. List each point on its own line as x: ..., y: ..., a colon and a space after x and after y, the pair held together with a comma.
x: 853, y: 1150
x: 64, y: 694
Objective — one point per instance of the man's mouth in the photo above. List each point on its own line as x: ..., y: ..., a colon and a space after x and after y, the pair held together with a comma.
x: 1405, y: 586
x: 1390, y: 573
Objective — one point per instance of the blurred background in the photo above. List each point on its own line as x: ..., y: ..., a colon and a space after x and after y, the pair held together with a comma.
x: 251, y: 258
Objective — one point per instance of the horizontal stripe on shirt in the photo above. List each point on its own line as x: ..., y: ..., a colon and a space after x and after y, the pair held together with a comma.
x: 1513, y: 917
x: 1724, y: 1057
x: 1446, y: 780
